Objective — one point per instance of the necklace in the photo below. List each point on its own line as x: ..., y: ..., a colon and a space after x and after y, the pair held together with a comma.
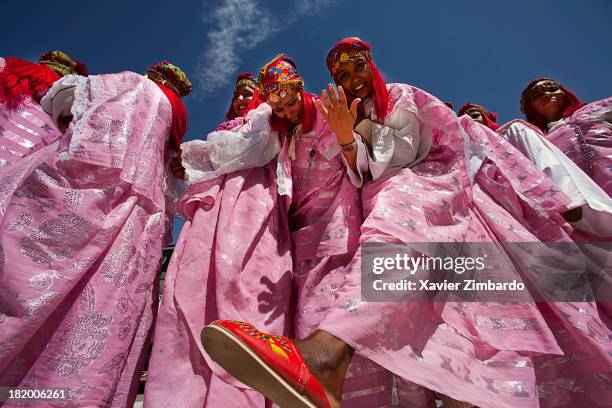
x: 585, y: 149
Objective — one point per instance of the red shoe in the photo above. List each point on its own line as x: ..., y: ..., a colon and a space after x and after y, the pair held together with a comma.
x: 269, y: 364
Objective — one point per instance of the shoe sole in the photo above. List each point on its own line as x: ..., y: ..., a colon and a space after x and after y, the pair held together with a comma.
x: 242, y: 363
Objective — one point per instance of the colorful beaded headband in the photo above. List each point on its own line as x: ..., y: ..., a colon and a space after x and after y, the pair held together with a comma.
x: 277, y: 77
x: 530, y: 92
x: 246, y: 82
x: 171, y: 76
x: 344, y: 54
x: 62, y: 63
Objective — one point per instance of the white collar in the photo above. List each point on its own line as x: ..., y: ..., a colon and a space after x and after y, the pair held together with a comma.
x: 556, y: 124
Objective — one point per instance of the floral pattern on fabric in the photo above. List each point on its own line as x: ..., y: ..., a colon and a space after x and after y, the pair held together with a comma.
x: 83, y: 218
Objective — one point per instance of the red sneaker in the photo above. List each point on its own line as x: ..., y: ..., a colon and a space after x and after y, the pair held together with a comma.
x: 269, y: 364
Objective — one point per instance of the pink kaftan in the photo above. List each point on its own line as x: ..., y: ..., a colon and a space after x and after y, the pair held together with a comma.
x: 492, y: 354
x: 325, y: 218
x: 250, y: 253
x: 232, y: 261
x: 81, y: 239
x: 583, y: 191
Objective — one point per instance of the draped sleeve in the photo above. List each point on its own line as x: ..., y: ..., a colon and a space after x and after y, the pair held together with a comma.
x: 401, y: 140
x: 250, y: 145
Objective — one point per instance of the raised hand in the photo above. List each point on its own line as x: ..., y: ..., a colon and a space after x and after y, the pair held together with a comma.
x: 339, y: 116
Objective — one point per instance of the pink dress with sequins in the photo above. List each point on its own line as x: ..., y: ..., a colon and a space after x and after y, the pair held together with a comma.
x: 492, y: 354
x: 82, y: 223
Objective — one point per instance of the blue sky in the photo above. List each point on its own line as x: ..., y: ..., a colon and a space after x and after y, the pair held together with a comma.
x: 477, y: 51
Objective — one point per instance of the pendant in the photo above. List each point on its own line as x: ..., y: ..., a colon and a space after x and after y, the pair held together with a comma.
x: 312, y: 153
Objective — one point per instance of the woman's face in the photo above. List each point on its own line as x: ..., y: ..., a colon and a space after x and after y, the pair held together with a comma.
x: 475, y: 114
x: 242, y: 97
x: 355, y: 77
x: 290, y: 107
x: 548, y: 100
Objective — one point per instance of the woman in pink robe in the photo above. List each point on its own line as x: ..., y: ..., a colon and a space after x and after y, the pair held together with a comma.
x: 82, y: 227
x: 493, y: 354
x: 591, y: 207
x: 271, y: 218
x: 232, y: 258
x: 24, y: 126
x: 581, y: 131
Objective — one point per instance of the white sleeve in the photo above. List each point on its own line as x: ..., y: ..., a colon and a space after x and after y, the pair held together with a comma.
x: 567, y: 176
x: 253, y: 144
x: 400, y: 143
x: 362, y: 163
x: 59, y: 99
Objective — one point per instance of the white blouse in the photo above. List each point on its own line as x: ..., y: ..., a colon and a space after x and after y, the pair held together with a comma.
x: 399, y: 142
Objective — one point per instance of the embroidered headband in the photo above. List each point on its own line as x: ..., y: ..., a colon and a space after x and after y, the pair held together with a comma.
x: 62, y: 63
x: 171, y: 76
x: 247, y: 80
x: 346, y: 51
x: 277, y: 77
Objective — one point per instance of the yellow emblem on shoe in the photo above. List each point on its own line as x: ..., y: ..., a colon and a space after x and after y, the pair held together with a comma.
x: 278, y: 350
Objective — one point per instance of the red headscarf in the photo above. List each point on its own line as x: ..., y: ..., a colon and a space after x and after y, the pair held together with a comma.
x: 245, y: 79
x: 275, y: 78
x: 490, y: 118
x: 349, y: 48
x: 571, y: 106
x: 20, y: 78
x: 174, y: 84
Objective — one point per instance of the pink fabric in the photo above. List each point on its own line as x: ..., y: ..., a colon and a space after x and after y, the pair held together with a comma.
x: 594, y: 122
x: 325, y: 221
x: 482, y: 353
x: 515, y: 184
x: 232, y: 261
x: 261, y: 273
x: 82, y: 228
x: 23, y: 131
x: 230, y: 124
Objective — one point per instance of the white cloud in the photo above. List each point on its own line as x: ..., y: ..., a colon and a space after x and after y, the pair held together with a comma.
x: 238, y: 26
x: 312, y: 7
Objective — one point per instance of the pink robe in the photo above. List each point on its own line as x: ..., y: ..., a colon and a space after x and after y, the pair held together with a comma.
x: 582, y: 190
x: 516, y: 184
x: 325, y: 218
x: 254, y: 258
x: 593, y: 125
x: 489, y: 354
x: 82, y: 227
x: 232, y: 261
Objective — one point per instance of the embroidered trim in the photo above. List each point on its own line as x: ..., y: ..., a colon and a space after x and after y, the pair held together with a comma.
x: 585, y: 149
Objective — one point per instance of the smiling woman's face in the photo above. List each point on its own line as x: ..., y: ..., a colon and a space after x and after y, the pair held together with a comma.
x: 241, y: 100
x: 290, y: 107
x: 355, y: 77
